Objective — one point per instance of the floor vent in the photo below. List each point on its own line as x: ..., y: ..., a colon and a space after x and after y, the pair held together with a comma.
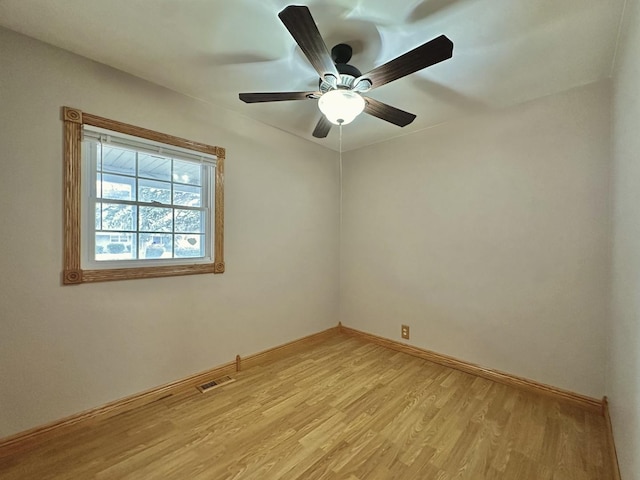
x: 205, y: 387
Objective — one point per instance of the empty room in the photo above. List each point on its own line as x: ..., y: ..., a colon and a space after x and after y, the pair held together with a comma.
x: 334, y: 240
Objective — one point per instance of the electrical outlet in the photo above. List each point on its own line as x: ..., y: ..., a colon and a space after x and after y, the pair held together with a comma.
x: 404, y: 332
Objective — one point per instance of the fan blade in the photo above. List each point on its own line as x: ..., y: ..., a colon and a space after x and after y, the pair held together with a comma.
x: 322, y: 128
x: 388, y: 113
x: 302, y: 28
x: 430, y: 53
x: 275, y: 96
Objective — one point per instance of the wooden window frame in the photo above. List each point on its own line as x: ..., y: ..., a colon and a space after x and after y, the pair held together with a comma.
x: 73, y: 273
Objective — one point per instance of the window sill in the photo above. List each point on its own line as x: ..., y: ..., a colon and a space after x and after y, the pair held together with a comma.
x: 71, y: 277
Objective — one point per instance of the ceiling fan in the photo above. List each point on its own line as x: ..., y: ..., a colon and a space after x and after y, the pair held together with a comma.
x: 341, y: 85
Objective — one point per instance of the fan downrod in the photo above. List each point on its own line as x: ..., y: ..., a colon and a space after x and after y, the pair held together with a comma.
x: 341, y: 54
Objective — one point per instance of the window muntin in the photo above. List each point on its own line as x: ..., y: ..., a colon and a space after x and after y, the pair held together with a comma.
x: 184, y: 196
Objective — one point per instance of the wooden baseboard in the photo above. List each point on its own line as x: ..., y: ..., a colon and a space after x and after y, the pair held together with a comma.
x: 611, y: 445
x: 281, y: 351
x: 23, y: 440
x: 589, y: 403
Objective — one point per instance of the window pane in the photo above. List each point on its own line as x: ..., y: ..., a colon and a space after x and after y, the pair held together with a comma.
x: 157, y: 168
x: 189, y: 246
x: 187, y: 195
x: 156, y: 219
x: 118, y: 217
x: 98, y: 147
x: 189, y: 221
x: 116, y: 187
x: 152, y: 191
x: 118, y: 246
x: 98, y: 216
x: 99, y: 185
x: 155, y: 245
x: 118, y: 160
x: 187, y: 172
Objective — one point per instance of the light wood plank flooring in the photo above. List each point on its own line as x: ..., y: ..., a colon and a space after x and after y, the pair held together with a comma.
x: 345, y: 410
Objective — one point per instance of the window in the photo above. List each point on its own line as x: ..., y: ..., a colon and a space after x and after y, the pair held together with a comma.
x: 138, y: 203
x: 144, y: 201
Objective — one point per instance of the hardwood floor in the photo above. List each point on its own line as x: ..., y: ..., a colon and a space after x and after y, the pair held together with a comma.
x: 344, y: 409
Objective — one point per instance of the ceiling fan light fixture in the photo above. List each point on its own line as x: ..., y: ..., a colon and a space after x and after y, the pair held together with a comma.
x: 341, y: 106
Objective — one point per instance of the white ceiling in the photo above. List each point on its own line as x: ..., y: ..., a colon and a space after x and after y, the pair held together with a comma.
x: 505, y: 51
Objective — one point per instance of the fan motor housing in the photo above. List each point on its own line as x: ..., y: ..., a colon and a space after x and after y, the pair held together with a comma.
x: 346, y: 69
x: 345, y: 81
x: 341, y: 54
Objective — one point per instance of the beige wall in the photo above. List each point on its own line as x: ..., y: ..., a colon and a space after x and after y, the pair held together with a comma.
x: 67, y: 349
x: 489, y: 237
x: 623, y: 375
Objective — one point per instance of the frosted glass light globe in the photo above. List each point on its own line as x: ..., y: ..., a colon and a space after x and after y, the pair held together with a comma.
x: 341, y: 106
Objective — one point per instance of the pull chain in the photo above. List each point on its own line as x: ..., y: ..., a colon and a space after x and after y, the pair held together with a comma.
x: 340, y: 185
